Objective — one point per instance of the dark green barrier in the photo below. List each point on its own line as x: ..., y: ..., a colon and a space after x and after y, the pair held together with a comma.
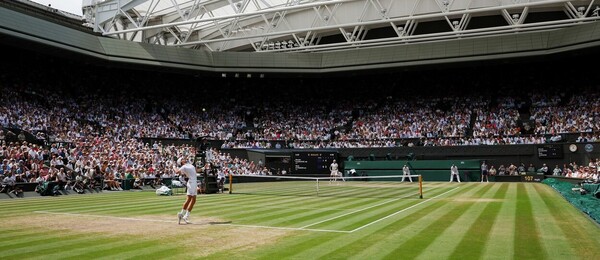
x: 431, y: 170
x: 127, y: 184
x: 586, y: 202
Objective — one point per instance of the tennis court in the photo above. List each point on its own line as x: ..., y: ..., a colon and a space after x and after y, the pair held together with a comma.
x: 451, y: 221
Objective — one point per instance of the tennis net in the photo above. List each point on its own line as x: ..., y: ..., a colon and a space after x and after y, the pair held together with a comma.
x: 393, y: 186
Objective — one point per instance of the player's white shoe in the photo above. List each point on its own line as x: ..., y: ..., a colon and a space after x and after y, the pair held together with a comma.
x: 187, y: 221
x: 179, y: 217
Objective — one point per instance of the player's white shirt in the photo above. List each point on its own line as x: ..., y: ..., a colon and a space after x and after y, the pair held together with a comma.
x: 192, y: 183
x: 334, y: 168
x: 454, y: 170
x: 406, y: 171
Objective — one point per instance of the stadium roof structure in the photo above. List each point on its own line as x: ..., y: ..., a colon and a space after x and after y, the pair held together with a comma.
x: 313, y: 26
x: 256, y: 38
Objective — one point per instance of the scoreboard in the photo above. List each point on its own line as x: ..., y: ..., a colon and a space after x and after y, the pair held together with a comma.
x: 313, y: 162
x: 550, y: 151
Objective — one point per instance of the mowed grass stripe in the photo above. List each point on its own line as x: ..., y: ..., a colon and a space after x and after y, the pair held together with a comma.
x: 363, y: 217
x: 241, y: 199
x: 170, y: 251
x: 364, y: 240
x: 240, y: 215
x: 443, y: 245
x: 259, y: 201
x: 258, y: 213
x: 553, y: 242
x: 136, y: 206
x: 527, y: 244
x: 63, y: 248
x: 50, y: 243
x: 96, y: 250
x: 280, y: 189
x: 365, y: 214
x: 326, y: 189
x: 266, y: 218
x: 104, y: 209
x: 351, y: 205
x: 274, y: 216
x: 369, y: 216
x: 104, y: 206
x: 66, y: 199
x: 66, y: 202
x: 79, y: 205
x: 420, y: 241
x: 82, y: 246
x: 502, y: 232
x: 477, y: 236
x: 309, y: 218
x: 352, y: 245
x: 10, y: 232
x: 368, y: 192
x: 583, y: 241
x: 341, y: 247
x: 374, y: 192
x: 323, y: 207
x: 25, y: 237
x: 232, y: 206
x: 324, y: 244
x: 299, y: 242
x: 114, y: 250
x: 305, y: 205
x: 126, y: 206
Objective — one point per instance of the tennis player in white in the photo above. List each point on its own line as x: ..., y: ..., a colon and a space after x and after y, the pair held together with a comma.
x: 189, y: 171
x: 454, y: 172
x: 406, y: 173
x: 335, y: 173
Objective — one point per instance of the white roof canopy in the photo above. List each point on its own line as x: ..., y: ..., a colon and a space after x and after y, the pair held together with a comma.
x: 324, y: 25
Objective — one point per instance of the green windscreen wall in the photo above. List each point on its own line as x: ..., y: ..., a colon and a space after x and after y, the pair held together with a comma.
x: 431, y: 170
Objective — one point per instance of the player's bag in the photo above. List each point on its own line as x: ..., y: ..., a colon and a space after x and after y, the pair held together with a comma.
x: 164, y: 191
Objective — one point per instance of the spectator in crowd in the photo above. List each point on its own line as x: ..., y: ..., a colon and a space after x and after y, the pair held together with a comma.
x: 512, y: 169
x: 8, y: 183
x: 79, y: 185
x: 492, y: 171
x: 521, y: 170
x: 544, y: 169
x: 501, y: 170
x: 220, y: 179
x: 137, y: 184
x: 531, y: 169
x: 61, y: 178
x: 557, y: 171
x: 89, y: 128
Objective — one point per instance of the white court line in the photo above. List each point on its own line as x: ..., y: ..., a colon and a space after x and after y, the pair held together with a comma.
x: 267, y: 227
x: 102, y: 216
x: 400, y: 211
x: 172, y: 221
x: 291, y: 228
x: 343, y: 215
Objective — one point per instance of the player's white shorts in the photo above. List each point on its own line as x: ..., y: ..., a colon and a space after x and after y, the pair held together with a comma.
x: 192, y: 188
x: 335, y: 173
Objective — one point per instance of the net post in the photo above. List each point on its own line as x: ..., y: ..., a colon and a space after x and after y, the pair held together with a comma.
x: 317, y: 187
x: 230, y: 183
x: 420, y: 187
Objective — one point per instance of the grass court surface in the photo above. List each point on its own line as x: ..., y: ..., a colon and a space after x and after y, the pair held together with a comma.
x: 452, y: 221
